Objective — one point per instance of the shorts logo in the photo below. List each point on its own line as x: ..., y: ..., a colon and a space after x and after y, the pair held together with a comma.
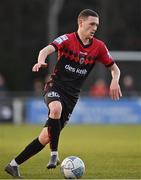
x: 53, y: 94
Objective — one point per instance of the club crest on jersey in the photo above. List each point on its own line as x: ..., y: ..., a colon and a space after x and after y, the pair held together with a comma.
x: 82, y: 57
x: 81, y: 60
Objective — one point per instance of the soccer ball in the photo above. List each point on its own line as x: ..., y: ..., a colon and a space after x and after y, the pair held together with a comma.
x: 72, y: 167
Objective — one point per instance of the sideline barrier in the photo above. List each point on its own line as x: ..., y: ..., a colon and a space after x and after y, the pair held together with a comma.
x: 125, y: 111
x: 35, y: 111
x: 88, y: 110
x: 6, y: 111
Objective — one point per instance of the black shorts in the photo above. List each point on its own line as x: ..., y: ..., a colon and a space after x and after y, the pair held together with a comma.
x: 53, y: 93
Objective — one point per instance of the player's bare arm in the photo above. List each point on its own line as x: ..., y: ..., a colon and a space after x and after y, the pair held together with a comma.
x: 43, y: 54
x: 115, y: 91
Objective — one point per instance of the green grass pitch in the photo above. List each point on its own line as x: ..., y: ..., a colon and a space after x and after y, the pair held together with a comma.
x: 108, y: 151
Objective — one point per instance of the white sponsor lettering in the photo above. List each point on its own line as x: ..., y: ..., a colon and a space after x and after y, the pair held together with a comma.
x: 68, y: 67
x: 81, y: 71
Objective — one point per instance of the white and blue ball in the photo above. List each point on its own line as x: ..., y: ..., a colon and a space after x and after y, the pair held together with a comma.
x: 72, y: 167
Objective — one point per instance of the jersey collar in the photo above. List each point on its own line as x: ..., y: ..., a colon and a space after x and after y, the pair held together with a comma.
x: 84, y: 46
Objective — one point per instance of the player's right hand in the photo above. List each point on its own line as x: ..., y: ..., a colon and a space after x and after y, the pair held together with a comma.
x: 37, y: 66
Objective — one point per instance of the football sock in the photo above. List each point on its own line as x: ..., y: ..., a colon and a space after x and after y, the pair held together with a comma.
x: 14, y: 163
x: 54, y: 153
x: 54, y: 129
x: 33, y: 148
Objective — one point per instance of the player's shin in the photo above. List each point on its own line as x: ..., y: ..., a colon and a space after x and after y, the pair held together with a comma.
x: 54, y: 129
x: 33, y: 148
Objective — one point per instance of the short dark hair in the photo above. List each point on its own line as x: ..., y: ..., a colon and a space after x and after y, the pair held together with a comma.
x: 87, y: 12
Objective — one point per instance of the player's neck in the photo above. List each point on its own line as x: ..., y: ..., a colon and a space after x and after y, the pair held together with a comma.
x: 83, y: 38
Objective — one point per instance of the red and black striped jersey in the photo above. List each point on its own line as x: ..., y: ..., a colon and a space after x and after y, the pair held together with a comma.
x: 76, y: 60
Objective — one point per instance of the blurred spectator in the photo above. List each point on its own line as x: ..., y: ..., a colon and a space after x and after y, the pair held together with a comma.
x: 99, y: 89
x: 38, y: 87
x: 5, y: 102
x: 3, y: 87
x: 2, y: 83
x: 128, y: 86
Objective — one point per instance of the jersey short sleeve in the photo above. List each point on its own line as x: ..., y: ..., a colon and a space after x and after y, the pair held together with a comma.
x: 104, y: 56
x: 60, y: 42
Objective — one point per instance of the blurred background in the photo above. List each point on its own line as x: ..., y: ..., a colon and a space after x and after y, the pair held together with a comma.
x: 27, y: 26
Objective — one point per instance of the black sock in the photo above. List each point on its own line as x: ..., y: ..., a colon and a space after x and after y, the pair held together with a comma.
x: 33, y: 148
x: 54, y: 129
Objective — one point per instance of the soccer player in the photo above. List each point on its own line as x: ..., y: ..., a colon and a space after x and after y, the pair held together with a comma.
x: 78, y: 52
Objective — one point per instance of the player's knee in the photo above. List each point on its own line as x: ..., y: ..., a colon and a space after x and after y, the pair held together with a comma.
x: 55, y: 110
x: 44, y: 140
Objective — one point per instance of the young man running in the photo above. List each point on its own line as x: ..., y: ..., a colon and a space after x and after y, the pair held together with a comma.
x: 78, y: 52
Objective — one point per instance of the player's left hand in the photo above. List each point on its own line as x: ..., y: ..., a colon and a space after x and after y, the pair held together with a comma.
x: 115, y: 91
x: 37, y: 66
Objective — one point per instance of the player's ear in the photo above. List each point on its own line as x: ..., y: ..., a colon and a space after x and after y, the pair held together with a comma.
x: 80, y: 21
